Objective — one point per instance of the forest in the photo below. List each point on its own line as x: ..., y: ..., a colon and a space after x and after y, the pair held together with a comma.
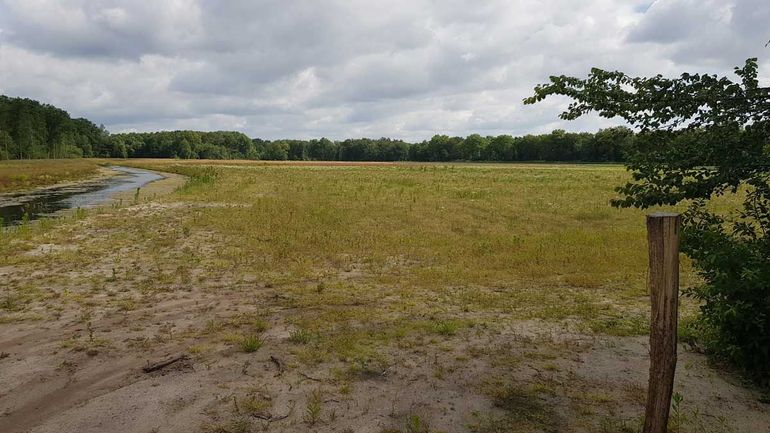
x: 33, y: 130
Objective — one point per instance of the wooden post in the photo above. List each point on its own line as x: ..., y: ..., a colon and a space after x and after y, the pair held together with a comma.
x: 663, y: 238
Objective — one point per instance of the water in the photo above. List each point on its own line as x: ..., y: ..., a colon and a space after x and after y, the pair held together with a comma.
x: 44, y: 203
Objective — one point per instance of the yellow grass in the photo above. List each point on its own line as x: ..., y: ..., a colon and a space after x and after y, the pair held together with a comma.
x: 16, y: 175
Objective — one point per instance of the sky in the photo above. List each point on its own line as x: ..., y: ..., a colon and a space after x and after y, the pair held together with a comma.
x: 405, y: 69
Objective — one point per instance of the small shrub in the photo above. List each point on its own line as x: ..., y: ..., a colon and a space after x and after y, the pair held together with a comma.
x: 253, y: 406
x: 300, y: 336
x: 11, y: 302
x: 446, y: 327
x: 259, y: 325
x: 251, y: 343
x: 414, y: 424
x: 313, y: 407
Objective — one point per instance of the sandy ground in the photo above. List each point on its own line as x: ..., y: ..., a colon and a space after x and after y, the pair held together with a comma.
x: 47, y: 389
x: 67, y: 373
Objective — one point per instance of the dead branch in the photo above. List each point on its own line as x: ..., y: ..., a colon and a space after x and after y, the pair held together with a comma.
x: 309, y: 377
x: 163, y: 364
x: 278, y: 364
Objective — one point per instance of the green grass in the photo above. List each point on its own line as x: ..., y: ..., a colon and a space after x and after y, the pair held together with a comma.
x: 300, y: 336
x: 464, y: 225
x: 251, y: 343
x: 533, y: 241
x: 446, y: 327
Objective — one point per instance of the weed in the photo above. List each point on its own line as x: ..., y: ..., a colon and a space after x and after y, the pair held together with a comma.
x: 197, y: 349
x: 213, y: 326
x: 300, y: 336
x: 313, y: 407
x: 11, y: 302
x: 446, y: 327
x: 126, y: 305
x: 259, y: 325
x: 68, y: 366
x: 415, y: 424
x: 251, y: 343
x: 253, y: 405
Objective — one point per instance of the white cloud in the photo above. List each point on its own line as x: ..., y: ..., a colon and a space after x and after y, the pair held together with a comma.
x: 400, y: 68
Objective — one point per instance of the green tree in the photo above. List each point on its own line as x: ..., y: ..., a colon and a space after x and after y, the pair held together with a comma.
x: 277, y: 151
x: 185, y: 149
x: 609, y: 144
x: 472, y: 147
x: 6, y: 144
x: 443, y: 148
x: 501, y: 148
x: 322, y: 150
x: 701, y: 136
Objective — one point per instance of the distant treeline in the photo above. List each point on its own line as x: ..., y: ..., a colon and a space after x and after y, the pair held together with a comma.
x: 29, y: 130
x: 606, y: 145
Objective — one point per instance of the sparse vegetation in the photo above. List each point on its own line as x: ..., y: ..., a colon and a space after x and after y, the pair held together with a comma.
x: 446, y: 327
x: 313, y: 407
x: 277, y: 277
x: 300, y: 336
x: 251, y: 343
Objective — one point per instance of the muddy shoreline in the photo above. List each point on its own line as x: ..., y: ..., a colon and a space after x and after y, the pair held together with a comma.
x: 111, y: 184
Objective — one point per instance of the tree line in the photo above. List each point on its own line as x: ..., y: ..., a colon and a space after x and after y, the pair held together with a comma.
x: 29, y: 130
x: 606, y: 145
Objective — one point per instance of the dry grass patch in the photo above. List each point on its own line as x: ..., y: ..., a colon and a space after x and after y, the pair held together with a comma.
x: 16, y: 175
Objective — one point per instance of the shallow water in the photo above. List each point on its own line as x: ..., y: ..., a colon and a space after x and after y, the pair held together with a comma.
x: 46, y: 202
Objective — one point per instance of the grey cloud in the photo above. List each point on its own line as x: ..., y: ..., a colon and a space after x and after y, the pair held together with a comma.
x: 101, y: 28
x: 713, y: 32
x: 338, y: 68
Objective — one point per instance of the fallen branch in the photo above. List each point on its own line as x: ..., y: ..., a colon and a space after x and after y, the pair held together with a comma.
x: 309, y: 377
x: 163, y: 364
x: 278, y: 364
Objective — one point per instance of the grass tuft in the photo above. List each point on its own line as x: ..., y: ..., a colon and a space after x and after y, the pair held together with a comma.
x: 446, y: 327
x: 300, y: 336
x: 251, y: 343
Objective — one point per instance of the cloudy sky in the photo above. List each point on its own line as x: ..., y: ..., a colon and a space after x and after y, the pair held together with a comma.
x: 352, y: 68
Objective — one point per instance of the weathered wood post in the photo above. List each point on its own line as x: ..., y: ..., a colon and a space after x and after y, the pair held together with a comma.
x: 663, y: 239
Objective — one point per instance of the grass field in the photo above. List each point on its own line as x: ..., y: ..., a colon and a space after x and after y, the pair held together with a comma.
x: 20, y: 175
x: 362, y: 298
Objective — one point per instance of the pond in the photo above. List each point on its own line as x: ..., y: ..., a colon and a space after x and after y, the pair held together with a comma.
x: 32, y: 205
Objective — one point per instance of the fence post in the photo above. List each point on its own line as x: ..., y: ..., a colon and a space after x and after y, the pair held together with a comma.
x: 663, y: 239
